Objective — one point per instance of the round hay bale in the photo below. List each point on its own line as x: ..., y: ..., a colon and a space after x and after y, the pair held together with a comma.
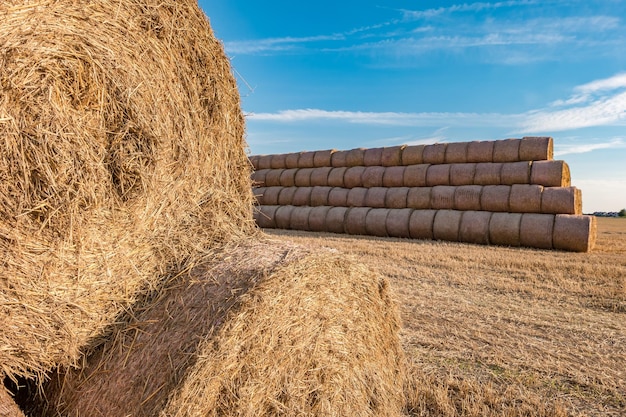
x: 462, y: 174
x: 335, y: 177
x: 303, y: 177
x: 339, y: 159
x: 394, y: 176
x: 356, y: 197
x: 338, y: 197
x: 353, y: 177
x: 438, y: 175
x: 258, y: 177
x: 536, y: 149
x: 419, y: 198
x: 550, y: 174
x: 456, y: 153
x: 272, y: 329
x: 412, y: 155
x: 323, y: 158
x: 561, y: 200
x: 300, y: 218
x: 397, y: 197
x: 442, y: 197
x: 525, y: 198
x: 8, y: 407
x: 270, y: 196
x: 398, y: 223
x: 285, y: 197
x: 392, y: 155
x: 515, y: 173
x: 288, y: 177
x: 506, y: 150
x: 376, y: 222
x: 574, y: 233
x: 375, y: 197
x: 265, y: 217
x: 434, y: 154
x: 475, y: 227
x: 355, y: 157
x: 265, y: 162
x: 302, y: 196
x: 272, y: 178
x: 480, y: 151
x: 373, y: 176
x: 488, y: 173
x: 317, y: 218
x: 421, y: 224
x: 355, y: 220
x: 306, y: 159
x: 319, y: 176
x: 278, y: 161
x: 291, y: 160
x: 373, y: 157
x: 336, y: 220
x: 415, y: 175
x: 123, y: 157
x: 536, y: 230
x: 495, y: 198
x: 447, y: 225
x: 319, y: 196
x: 282, y: 216
x: 254, y: 161
x: 504, y: 229
x: 468, y: 197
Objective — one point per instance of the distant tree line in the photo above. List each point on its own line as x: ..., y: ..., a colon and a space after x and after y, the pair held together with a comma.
x: 622, y: 212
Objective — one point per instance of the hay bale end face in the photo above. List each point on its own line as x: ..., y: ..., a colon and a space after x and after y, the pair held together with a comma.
x: 123, y: 139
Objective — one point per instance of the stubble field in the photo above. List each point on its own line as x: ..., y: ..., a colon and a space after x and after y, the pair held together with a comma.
x: 495, y: 331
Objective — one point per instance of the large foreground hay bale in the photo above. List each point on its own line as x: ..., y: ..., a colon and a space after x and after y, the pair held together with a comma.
x: 265, y: 329
x: 8, y: 408
x: 123, y: 159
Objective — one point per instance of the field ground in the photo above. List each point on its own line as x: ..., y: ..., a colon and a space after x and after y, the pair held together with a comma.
x: 495, y: 331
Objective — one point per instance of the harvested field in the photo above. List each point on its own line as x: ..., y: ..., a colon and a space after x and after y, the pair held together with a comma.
x: 497, y: 331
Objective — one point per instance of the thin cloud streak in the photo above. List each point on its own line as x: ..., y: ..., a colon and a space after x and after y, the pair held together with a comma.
x: 588, y: 147
x: 609, y: 110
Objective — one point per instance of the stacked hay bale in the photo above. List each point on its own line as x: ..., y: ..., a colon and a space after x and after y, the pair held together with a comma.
x: 507, y: 192
x: 123, y: 172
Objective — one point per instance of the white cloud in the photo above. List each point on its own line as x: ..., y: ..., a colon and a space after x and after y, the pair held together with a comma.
x: 471, y: 7
x: 275, y: 44
x: 389, y: 118
x: 588, y: 147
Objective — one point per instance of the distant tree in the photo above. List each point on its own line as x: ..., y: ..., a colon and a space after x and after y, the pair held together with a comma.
x: 622, y: 212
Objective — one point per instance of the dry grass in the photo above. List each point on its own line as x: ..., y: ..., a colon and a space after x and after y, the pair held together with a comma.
x: 502, y: 331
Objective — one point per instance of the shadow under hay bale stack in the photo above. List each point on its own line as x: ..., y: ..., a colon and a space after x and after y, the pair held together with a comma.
x: 480, y: 178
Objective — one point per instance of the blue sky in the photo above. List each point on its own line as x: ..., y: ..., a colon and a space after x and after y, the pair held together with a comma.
x: 346, y: 74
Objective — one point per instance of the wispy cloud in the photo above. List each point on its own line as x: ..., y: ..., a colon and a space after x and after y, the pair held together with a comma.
x: 598, y: 103
x: 467, y: 7
x: 388, y: 118
x: 275, y: 44
x: 588, y: 147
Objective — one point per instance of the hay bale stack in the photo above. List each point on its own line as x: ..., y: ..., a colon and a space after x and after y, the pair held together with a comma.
x: 536, y: 230
x: 323, y: 158
x: 506, y: 150
x: 413, y: 155
x: 285, y: 197
x: 504, y: 229
x: 264, y: 162
x: 373, y: 157
x: 319, y: 176
x: 442, y: 197
x: 282, y: 217
x: 338, y: 197
x: 272, y: 177
x: 434, y: 154
x: 356, y: 197
x: 288, y: 177
x: 525, y: 198
x: 273, y: 329
x: 123, y: 159
x: 306, y: 159
x: 335, y: 177
x: 302, y: 196
x: 438, y: 175
x: 415, y: 175
x: 303, y: 177
x: 421, y: 224
x: 376, y: 197
x: 339, y: 159
x: 456, y: 153
x: 561, y: 200
x: 515, y: 173
x: 278, y: 161
x: 447, y: 225
x: 468, y: 197
x: 495, y: 198
x: 392, y: 156
x: 394, y: 176
x: 474, y: 227
x: 355, y: 157
x: 376, y: 222
x: 488, y: 173
x: 291, y: 160
x: 398, y: 223
x: 480, y: 151
x: 300, y: 218
x: 462, y: 174
x: 536, y: 149
x: 336, y: 220
x: 258, y: 177
x: 317, y: 218
x: 355, y: 221
x: 373, y: 176
x: 319, y: 196
x: 550, y: 174
x: 574, y: 232
x: 353, y: 177
x: 397, y: 197
x: 265, y: 216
